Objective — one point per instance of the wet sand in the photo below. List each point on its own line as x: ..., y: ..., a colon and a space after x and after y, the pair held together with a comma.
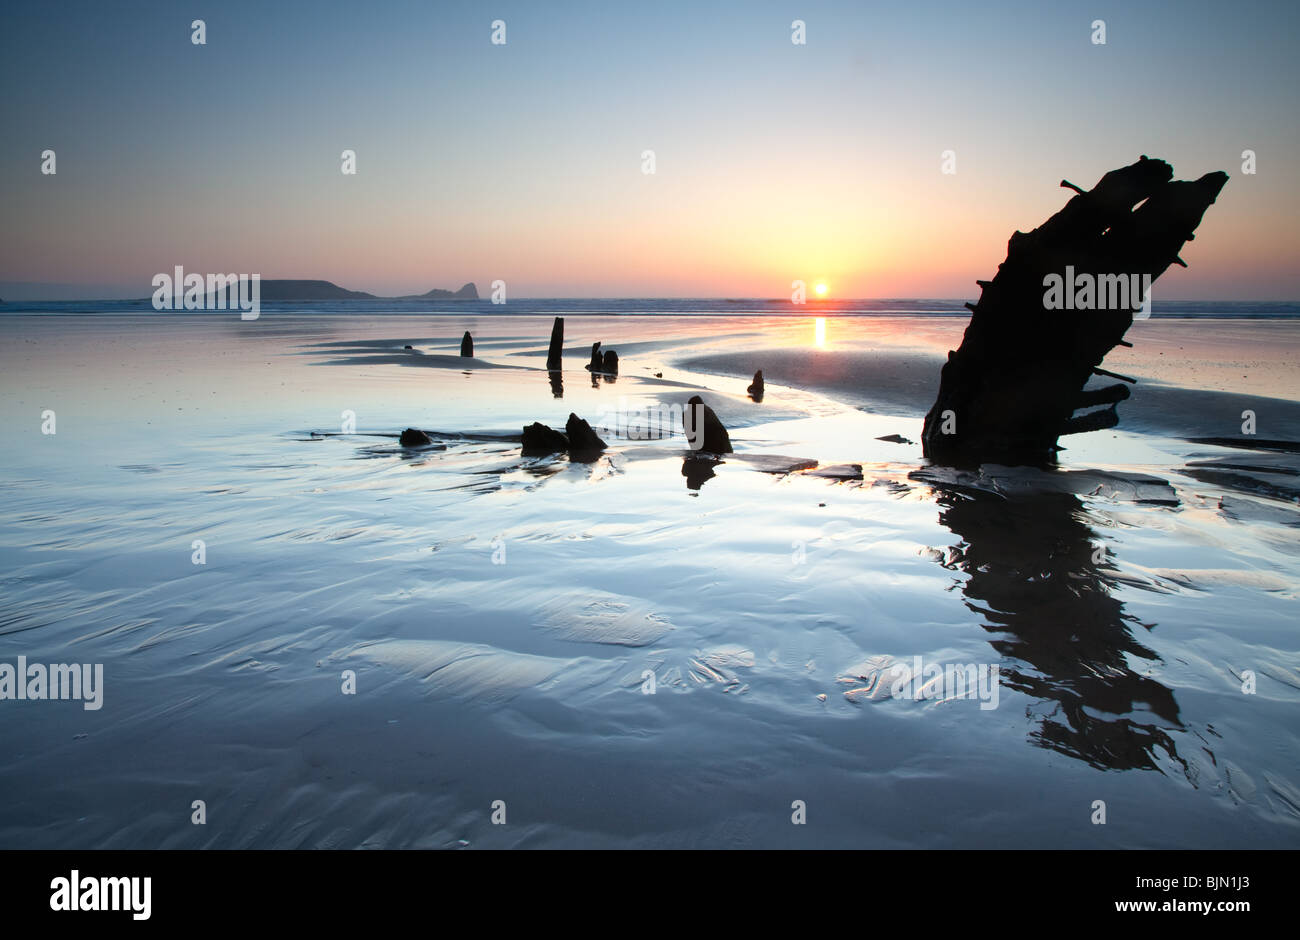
x: 501, y: 613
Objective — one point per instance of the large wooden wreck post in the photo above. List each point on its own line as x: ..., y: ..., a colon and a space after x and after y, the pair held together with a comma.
x: 1012, y: 387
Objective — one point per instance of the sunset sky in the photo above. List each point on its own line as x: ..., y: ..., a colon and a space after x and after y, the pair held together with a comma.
x: 523, y: 162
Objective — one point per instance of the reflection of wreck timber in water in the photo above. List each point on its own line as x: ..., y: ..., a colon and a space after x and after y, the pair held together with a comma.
x: 1033, y: 573
x: 1012, y: 387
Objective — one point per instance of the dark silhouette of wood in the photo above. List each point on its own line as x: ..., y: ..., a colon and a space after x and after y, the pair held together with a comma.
x: 539, y: 440
x: 555, y: 355
x: 1009, y: 391
x: 1114, y: 375
x: 1092, y: 421
x: 414, y: 437
x: 1110, y: 395
x: 603, y: 362
x: 585, y: 445
x: 704, y: 432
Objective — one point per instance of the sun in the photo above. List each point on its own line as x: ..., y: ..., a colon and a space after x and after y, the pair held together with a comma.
x: 819, y: 289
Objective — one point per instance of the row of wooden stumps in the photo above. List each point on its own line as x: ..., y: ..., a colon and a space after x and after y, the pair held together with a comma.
x: 605, y: 362
x: 583, y: 445
x: 706, y: 434
x: 579, y: 440
x: 1016, y: 383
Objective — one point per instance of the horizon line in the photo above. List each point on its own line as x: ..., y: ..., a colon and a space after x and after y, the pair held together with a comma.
x: 414, y: 298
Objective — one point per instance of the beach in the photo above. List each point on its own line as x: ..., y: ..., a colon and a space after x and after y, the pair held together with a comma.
x: 622, y: 653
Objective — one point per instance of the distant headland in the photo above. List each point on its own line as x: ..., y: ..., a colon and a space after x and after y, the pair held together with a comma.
x: 328, y: 290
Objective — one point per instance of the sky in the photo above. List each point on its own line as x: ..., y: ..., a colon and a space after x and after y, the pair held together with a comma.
x: 523, y: 162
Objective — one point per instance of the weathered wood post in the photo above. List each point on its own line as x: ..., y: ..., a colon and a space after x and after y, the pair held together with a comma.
x: 555, y: 355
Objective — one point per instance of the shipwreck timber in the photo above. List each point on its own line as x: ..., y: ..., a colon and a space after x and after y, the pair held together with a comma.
x: 1014, y: 385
